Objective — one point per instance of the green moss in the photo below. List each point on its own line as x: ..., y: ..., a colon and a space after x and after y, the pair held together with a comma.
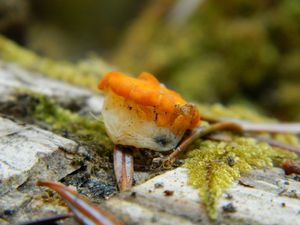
x: 214, y: 166
x: 84, y: 129
x: 85, y: 73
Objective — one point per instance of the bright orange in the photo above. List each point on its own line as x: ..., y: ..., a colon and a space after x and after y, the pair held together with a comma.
x: 147, y: 91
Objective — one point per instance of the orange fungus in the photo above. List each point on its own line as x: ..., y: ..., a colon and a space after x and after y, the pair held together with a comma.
x: 146, y: 90
x: 148, y: 100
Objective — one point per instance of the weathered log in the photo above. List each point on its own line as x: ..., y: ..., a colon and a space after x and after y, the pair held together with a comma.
x: 29, y: 153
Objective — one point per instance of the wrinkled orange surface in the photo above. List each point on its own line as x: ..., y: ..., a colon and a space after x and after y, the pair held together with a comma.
x: 145, y: 90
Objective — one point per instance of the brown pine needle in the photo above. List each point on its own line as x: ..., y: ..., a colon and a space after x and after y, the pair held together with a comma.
x: 290, y: 128
x: 123, y: 167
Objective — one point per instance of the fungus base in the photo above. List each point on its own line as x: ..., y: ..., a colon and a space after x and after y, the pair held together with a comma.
x: 127, y: 124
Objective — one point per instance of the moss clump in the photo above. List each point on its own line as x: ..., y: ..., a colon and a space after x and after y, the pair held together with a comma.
x: 214, y: 166
x: 85, y: 73
x: 62, y: 120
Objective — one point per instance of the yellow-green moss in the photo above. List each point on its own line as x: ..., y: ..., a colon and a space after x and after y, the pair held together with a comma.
x: 85, y: 73
x: 214, y: 166
x: 60, y: 119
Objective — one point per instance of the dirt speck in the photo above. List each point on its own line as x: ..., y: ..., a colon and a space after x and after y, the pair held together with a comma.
x: 245, y: 185
x: 228, y: 196
x: 229, y: 208
x: 168, y: 193
x: 158, y: 185
x: 296, y: 178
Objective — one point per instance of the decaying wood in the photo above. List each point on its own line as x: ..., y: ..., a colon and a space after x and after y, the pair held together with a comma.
x: 269, y: 197
x: 14, y: 78
x: 28, y: 153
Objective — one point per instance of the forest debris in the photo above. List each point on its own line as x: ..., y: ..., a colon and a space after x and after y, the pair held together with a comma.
x: 250, y: 204
x: 29, y: 153
x: 291, y: 166
x: 14, y: 78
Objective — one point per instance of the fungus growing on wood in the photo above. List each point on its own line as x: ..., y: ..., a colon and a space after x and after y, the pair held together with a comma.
x: 143, y: 113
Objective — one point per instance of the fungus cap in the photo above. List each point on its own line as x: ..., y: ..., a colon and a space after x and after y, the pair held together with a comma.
x: 143, y: 100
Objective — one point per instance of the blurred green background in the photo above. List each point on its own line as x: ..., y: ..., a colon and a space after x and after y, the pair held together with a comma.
x: 233, y: 52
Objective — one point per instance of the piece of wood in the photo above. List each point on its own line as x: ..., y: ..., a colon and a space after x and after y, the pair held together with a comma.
x: 14, y: 78
x: 262, y: 197
x: 27, y: 152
